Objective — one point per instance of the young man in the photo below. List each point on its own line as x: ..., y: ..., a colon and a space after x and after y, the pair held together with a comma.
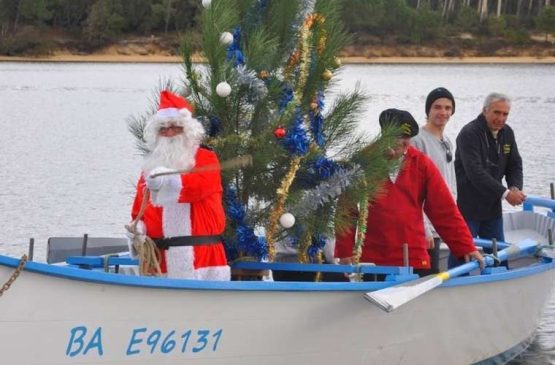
x: 184, y: 215
x: 487, y: 152
x: 431, y: 140
x: 395, y: 217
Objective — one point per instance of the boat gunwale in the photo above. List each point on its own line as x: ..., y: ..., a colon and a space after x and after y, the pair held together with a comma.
x: 102, y: 277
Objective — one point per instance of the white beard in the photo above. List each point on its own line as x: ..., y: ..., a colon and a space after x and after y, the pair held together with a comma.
x: 176, y: 152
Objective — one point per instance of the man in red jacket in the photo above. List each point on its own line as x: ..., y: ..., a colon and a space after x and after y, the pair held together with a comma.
x: 184, y: 214
x: 395, y: 217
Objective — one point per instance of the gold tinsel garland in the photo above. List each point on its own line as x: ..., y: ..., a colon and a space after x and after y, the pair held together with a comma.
x: 282, y: 193
x: 301, y: 58
x: 361, y: 230
x: 303, y: 248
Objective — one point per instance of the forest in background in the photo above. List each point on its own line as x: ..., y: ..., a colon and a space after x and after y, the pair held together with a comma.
x: 379, y: 27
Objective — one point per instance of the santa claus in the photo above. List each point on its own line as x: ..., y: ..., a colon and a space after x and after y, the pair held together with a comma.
x: 184, y: 215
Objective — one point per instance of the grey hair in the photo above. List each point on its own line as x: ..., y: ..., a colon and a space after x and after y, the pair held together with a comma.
x: 494, y: 98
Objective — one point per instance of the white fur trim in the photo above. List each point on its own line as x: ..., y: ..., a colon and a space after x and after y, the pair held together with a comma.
x: 216, y: 273
x: 180, y: 262
x: 141, y: 227
x: 138, y: 235
x: 169, y: 191
x: 168, y: 113
x: 174, y: 113
x: 132, y: 252
x: 176, y: 219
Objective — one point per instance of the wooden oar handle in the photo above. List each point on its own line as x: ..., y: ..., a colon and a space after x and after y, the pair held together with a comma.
x: 239, y: 161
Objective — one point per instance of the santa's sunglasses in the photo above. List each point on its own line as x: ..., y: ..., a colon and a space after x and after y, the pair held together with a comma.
x: 172, y: 128
x: 448, y: 153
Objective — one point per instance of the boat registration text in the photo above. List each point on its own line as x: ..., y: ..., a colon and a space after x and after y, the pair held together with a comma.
x: 83, y: 341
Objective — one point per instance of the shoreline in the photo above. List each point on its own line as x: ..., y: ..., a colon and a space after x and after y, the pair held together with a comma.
x: 118, y: 58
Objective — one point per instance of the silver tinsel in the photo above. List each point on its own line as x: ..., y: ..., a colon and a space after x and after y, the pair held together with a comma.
x: 248, y: 78
x: 306, y: 7
x: 325, y: 192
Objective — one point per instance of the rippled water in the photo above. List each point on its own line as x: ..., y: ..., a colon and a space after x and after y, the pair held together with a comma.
x: 68, y: 164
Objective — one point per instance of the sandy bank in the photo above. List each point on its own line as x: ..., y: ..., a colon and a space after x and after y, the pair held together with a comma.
x: 118, y: 58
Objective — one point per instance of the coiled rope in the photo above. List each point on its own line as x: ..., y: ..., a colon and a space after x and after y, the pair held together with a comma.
x: 148, y: 254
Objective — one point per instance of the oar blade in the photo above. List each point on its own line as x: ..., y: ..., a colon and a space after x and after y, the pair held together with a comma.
x: 393, y: 297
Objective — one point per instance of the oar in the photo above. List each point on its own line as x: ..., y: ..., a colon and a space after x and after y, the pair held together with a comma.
x: 393, y: 297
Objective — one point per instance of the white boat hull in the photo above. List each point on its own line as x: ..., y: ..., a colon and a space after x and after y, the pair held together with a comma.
x: 46, y: 319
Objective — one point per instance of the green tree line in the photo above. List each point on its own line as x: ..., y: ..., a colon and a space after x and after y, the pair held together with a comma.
x: 38, y: 26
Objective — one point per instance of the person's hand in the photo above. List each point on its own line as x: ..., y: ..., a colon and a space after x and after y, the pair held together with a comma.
x: 515, y: 196
x: 156, y: 183
x: 430, y: 242
x: 136, y: 237
x: 477, y: 256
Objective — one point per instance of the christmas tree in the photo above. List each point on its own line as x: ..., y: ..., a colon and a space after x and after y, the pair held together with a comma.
x: 262, y: 93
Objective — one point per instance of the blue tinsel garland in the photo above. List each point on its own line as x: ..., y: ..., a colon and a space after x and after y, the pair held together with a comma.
x: 234, y: 50
x: 296, y: 140
x: 246, y: 240
x: 323, y: 167
x: 317, y: 120
x: 286, y: 97
x: 215, y: 124
x: 318, y: 243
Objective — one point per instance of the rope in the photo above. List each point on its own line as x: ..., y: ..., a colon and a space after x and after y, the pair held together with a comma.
x: 14, y: 276
x: 147, y: 252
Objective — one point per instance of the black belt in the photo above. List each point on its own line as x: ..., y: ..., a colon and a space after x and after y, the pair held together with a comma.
x: 165, y: 243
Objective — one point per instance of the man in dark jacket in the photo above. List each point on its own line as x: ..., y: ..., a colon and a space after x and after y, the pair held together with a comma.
x: 487, y: 152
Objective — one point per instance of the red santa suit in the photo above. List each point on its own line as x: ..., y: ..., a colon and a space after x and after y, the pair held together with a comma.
x: 189, y: 206
x: 395, y: 217
x: 182, y: 206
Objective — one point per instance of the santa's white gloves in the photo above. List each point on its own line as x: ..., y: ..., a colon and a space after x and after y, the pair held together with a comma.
x: 166, y: 188
x: 135, y: 239
x: 156, y: 183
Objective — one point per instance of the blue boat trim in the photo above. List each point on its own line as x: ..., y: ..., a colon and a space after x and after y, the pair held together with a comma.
x: 91, y: 262
x: 72, y: 273
x: 537, y: 201
x: 501, y: 276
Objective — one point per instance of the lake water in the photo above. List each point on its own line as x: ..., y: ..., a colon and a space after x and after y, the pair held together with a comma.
x: 68, y: 165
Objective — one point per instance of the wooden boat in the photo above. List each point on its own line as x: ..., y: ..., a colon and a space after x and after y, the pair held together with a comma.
x: 52, y: 314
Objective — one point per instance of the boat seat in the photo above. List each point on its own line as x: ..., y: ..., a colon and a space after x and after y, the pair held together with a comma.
x: 60, y: 248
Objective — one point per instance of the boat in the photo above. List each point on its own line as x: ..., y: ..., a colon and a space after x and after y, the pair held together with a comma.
x: 83, y: 312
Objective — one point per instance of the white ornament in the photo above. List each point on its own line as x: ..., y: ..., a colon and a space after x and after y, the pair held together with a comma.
x: 223, y: 89
x: 287, y: 220
x: 206, y: 3
x: 226, y: 38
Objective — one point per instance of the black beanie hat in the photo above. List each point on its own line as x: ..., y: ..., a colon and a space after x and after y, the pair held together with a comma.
x: 438, y: 93
x: 399, y: 119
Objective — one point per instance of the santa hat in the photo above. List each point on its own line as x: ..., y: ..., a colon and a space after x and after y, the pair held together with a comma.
x: 172, y: 106
x: 173, y: 110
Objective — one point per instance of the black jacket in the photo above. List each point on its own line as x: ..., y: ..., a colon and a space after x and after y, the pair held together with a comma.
x: 481, y: 162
